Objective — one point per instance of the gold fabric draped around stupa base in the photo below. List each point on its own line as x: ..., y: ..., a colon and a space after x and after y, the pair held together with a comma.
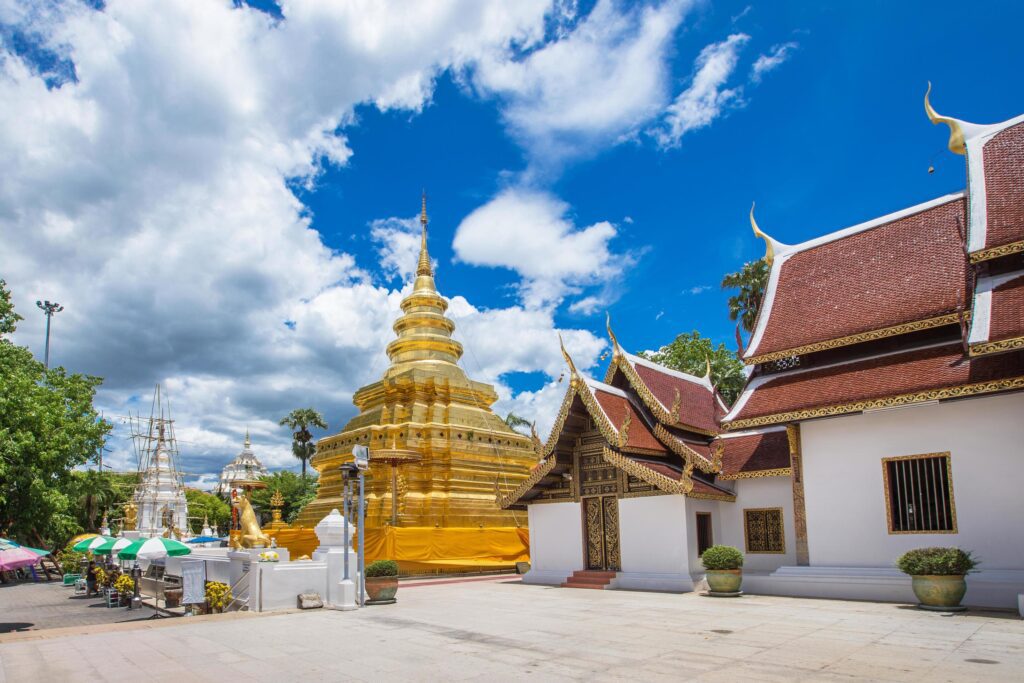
x: 443, y: 504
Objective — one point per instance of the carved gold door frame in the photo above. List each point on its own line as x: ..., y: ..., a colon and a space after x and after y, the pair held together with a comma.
x: 601, y: 533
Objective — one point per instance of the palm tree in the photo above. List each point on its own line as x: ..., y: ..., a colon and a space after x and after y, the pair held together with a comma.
x: 96, y: 493
x: 751, y: 281
x: 515, y: 421
x: 300, y: 420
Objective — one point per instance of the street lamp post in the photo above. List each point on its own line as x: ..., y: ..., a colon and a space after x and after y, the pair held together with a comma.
x: 49, y: 309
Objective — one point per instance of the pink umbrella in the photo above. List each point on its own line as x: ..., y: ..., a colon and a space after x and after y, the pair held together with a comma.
x: 16, y: 558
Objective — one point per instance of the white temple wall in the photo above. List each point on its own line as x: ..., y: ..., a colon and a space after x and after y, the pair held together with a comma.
x: 763, y: 492
x: 556, y: 542
x: 653, y: 544
x: 845, y: 498
x: 719, y: 534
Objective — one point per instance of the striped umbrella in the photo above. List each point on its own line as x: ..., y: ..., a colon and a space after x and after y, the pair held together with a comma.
x: 153, y: 548
x: 112, y: 546
x: 16, y: 558
x: 90, y: 544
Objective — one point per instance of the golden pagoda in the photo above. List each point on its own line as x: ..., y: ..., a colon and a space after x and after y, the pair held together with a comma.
x: 439, y: 455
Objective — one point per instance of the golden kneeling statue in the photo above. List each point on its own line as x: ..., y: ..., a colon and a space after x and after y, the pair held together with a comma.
x: 252, y: 536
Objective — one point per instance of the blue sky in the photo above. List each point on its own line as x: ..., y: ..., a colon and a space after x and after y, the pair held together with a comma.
x: 188, y: 177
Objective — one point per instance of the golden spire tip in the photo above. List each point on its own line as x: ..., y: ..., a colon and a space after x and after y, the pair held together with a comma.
x: 423, y: 267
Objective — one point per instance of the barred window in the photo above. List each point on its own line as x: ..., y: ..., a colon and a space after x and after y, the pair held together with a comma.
x: 919, y: 494
x: 763, y: 530
x: 704, y: 538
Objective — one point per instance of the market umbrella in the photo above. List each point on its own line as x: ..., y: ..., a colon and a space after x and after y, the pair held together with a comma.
x: 204, y: 539
x: 38, y: 551
x: 114, y: 545
x: 153, y: 548
x: 16, y: 558
x: 90, y: 544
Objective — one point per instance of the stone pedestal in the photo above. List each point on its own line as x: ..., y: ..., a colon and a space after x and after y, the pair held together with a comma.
x: 341, y: 594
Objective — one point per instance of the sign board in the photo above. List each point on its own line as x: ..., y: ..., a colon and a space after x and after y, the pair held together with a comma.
x: 361, y: 455
x: 193, y: 581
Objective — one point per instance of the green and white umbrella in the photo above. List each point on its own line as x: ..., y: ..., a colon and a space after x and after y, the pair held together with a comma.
x: 153, y: 548
x: 114, y: 545
x: 90, y: 544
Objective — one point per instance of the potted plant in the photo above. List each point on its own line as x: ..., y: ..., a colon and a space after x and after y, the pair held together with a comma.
x: 382, y: 582
x: 937, y: 576
x: 723, y: 564
x: 125, y: 587
x: 218, y: 596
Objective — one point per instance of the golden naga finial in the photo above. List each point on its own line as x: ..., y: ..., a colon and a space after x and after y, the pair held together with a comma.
x: 616, y: 349
x: 956, y: 133
x: 567, y: 357
x: 707, y: 375
x: 769, y: 243
x: 624, y: 430
x: 423, y: 267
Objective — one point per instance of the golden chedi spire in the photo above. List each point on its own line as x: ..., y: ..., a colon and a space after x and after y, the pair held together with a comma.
x: 439, y: 454
x: 424, y: 333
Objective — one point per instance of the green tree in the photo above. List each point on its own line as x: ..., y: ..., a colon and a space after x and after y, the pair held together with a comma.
x: 690, y: 353
x: 751, y: 280
x: 94, y: 494
x: 212, y: 508
x: 516, y: 421
x: 48, y: 426
x: 297, y: 493
x: 300, y: 420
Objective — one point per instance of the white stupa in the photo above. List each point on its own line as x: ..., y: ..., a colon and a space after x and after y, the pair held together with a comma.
x: 160, y: 495
x: 245, y: 466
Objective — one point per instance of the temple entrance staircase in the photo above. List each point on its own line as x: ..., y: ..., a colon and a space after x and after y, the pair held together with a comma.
x: 588, y: 578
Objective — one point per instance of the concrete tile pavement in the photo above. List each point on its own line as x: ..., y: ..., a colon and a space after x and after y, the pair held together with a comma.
x: 503, y: 630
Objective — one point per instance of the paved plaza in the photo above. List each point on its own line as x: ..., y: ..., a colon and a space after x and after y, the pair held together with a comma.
x: 500, y: 629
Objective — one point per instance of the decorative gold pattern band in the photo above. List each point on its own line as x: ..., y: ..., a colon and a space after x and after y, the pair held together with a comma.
x: 996, y: 252
x: 870, y: 335
x: 757, y: 474
x: 681, y: 487
x: 888, y: 402
x: 997, y: 346
x: 542, y: 471
x: 692, y: 457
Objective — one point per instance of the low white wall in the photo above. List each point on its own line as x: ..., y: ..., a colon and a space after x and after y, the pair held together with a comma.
x: 653, y: 544
x: 280, y: 583
x: 556, y: 542
x: 845, y: 498
x: 765, y: 492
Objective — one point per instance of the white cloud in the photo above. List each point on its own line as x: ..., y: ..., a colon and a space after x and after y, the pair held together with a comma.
x: 531, y: 233
x: 398, y: 245
x: 697, y: 289
x: 775, y: 57
x: 602, y: 80
x: 706, y: 97
x: 150, y: 195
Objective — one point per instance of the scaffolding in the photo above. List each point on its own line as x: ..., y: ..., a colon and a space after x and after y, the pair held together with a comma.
x: 160, y: 494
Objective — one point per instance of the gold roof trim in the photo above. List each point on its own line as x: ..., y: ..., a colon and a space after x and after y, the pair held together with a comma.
x: 887, y: 402
x: 956, y: 133
x: 539, y: 472
x: 870, y: 335
x: 986, y: 348
x: 757, y: 474
x: 691, y: 456
x: 646, y: 474
x: 996, y: 252
x: 647, y: 397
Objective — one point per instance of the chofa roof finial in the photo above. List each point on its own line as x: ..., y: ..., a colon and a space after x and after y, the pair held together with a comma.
x: 616, y: 349
x: 769, y: 243
x: 956, y: 133
x: 568, y: 358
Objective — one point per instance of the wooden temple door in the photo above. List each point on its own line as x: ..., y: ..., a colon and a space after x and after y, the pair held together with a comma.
x: 601, y: 533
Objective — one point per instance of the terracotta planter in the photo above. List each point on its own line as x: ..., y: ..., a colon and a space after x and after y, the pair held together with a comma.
x: 724, y: 580
x: 380, y: 590
x: 939, y: 592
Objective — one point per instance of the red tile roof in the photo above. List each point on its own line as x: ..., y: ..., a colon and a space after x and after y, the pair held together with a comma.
x: 617, y: 407
x: 851, y: 386
x: 698, y: 406
x: 1003, y: 157
x: 747, y: 453
x: 1007, y: 310
x: 902, y: 270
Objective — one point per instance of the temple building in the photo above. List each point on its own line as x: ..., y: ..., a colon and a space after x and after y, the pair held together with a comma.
x: 438, y: 453
x: 159, y: 498
x: 882, y: 413
x: 245, y: 467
